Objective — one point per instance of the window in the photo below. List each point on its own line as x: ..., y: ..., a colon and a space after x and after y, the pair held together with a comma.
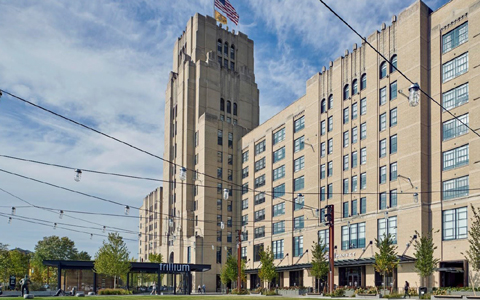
x: 244, y: 220
x: 219, y: 251
x: 259, y: 232
x: 363, y: 156
x: 346, y: 92
x: 455, y: 158
x: 299, y: 144
x: 393, y: 117
x: 455, y: 97
x: 232, y: 52
x: 279, y: 209
x: 219, y: 188
x: 345, y: 139
x: 383, y: 69
x: 363, y: 106
x: 260, y: 147
x: 330, y: 169
x: 455, y: 37
x: 323, y: 106
x: 245, y: 188
x: 330, y: 123
x: 260, y: 164
x: 220, y: 137
x: 363, y: 181
x: 256, y: 252
x: 229, y: 103
x: 393, y: 171
x: 323, y: 149
x: 354, y: 135
x: 259, y: 198
x: 393, y: 198
x: 383, y: 174
x: 322, y: 171
x: 219, y: 156
x: 393, y: 66
x: 219, y: 173
x: 299, y: 124
x: 455, y: 67
x: 346, y: 115
x: 391, y: 229
x: 244, y: 253
x: 230, y: 159
x: 382, y: 201
x: 345, y: 210
x: 298, y: 183
x: 393, y: 90
x: 454, y: 127
x: 260, y: 181
x: 225, y: 48
x: 298, y: 223
x: 455, y: 188
x: 322, y: 193
x: 279, y: 172
x: 354, y: 159
x: 455, y: 224
x: 279, y: 227
x: 363, y: 205
x: 219, y: 205
x: 219, y: 60
x: 354, y: 110
x: 245, y: 172
x: 383, y: 122
x: 299, y: 164
x: 330, y: 102
x: 244, y: 204
x: 383, y: 96
x: 219, y: 47
x: 245, y: 157
x: 330, y: 146
x: 354, y: 183
x: 346, y: 163
x: 354, y: 208
x: 393, y: 144
x: 383, y: 148
x: 297, y: 246
x: 277, y: 249
x: 234, y: 104
x: 353, y: 237
x: 279, y: 191
x: 345, y: 186
x: 363, y: 131
x: 324, y: 238
x: 279, y: 155
x: 323, y: 128
x: 354, y: 87
x: 230, y: 140
x: 229, y: 208
x: 363, y: 82
x: 279, y: 136
x: 260, y: 215
x: 330, y: 191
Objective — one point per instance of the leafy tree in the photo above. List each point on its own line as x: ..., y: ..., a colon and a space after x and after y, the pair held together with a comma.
x: 424, y: 253
x: 4, y: 263
x: 386, y: 259
x: 18, y: 263
x: 473, y: 252
x: 320, y: 266
x: 155, y: 258
x: 230, y: 270
x: 83, y: 256
x: 267, y: 271
x: 112, y: 258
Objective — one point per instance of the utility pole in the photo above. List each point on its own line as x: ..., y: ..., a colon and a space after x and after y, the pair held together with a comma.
x: 329, y: 218
x: 239, y: 260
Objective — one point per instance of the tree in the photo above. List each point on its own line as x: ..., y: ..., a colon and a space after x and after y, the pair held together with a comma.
x: 4, y: 263
x: 386, y: 259
x: 229, y: 270
x: 320, y: 266
x: 112, y: 258
x: 473, y: 252
x: 267, y: 271
x: 424, y: 253
x: 155, y: 258
x: 83, y: 256
x: 18, y: 263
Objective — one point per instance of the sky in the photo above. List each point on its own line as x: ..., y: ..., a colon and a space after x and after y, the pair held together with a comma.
x: 106, y: 64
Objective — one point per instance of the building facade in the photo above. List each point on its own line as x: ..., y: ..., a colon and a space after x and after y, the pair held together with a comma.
x: 351, y: 141
x: 150, y: 225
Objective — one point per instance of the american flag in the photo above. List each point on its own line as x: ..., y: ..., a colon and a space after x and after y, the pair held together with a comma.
x: 227, y: 8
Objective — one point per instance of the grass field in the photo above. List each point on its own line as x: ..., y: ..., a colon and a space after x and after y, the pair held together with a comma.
x: 134, y: 297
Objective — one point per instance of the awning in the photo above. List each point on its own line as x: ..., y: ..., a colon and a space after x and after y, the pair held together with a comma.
x: 451, y: 270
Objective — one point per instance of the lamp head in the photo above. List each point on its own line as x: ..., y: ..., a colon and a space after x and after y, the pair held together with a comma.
x: 414, y: 95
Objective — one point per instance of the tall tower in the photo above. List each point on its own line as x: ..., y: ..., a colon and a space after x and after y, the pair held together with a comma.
x: 211, y: 102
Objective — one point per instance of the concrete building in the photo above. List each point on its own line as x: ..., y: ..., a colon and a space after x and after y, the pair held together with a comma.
x: 150, y: 226
x: 352, y: 141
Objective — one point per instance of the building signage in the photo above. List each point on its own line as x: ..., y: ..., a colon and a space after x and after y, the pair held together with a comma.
x: 174, y: 268
x: 344, y: 255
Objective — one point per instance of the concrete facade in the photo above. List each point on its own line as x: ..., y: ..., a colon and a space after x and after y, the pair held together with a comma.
x: 150, y: 225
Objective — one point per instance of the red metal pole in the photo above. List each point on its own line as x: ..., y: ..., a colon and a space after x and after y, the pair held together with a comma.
x: 239, y: 260
x: 331, y: 248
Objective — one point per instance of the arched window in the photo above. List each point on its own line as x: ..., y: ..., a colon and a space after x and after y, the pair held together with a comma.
x: 219, y: 46
x: 383, y: 70
x: 232, y: 52
x: 330, y: 102
x: 363, y: 82
x: 354, y: 87
x: 393, y: 66
x: 323, y: 106
x: 229, y: 107
x: 222, y: 104
x: 346, y: 92
x: 225, y: 49
x: 234, y: 109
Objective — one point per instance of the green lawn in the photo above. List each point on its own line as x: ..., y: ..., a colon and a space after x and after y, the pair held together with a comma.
x: 170, y: 297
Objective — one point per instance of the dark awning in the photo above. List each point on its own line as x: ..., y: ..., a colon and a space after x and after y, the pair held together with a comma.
x: 451, y: 270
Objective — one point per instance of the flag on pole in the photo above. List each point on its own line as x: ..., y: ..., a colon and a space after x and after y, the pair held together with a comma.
x: 227, y: 8
x: 220, y: 18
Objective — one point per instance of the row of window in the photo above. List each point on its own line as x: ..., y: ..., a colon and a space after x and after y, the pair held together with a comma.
x: 393, y: 66
x: 229, y: 107
x: 346, y: 88
x: 220, y: 138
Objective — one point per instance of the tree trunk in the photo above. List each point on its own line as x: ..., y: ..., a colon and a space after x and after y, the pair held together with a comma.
x: 115, y: 282
x: 384, y: 281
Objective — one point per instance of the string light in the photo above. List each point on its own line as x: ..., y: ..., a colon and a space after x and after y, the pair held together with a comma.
x: 104, y: 228
x: 54, y: 225
x: 9, y: 220
x: 61, y: 214
x: 91, y: 235
x: 78, y: 175
x: 13, y: 211
x: 127, y: 210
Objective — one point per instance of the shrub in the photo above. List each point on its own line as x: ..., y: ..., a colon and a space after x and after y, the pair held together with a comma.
x: 393, y: 296
x: 242, y: 292
x: 426, y: 296
x: 412, y: 291
x: 269, y: 293
x: 439, y: 291
x: 339, y: 292
x: 114, y: 292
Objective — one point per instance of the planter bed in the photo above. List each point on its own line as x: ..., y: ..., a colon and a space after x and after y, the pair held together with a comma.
x: 367, y: 296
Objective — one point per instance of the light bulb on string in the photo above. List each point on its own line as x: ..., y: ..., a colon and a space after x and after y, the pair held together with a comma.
x: 54, y: 225
x: 222, y: 225
x: 183, y: 174
x: 91, y: 235
x: 61, y: 214
x: 213, y: 247
x: 78, y: 175
x: 225, y: 194
x: 14, y: 210
x: 127, y: 210
x: 104, y: 228
x: 9, y: 220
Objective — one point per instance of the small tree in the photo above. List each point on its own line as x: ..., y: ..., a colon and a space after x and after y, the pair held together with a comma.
x: 424, y: 253
x: 155, y: 258
x: 83, y: 255
x: 4, y: 263
x: 267, y: 271
x: 112, y: 258
x: 230, y: 270
x: 320, y: 267
x: 473, y: 252
x: 386, y: 259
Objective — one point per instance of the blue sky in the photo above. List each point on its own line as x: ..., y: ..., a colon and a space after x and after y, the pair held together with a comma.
x: 106, y: 63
